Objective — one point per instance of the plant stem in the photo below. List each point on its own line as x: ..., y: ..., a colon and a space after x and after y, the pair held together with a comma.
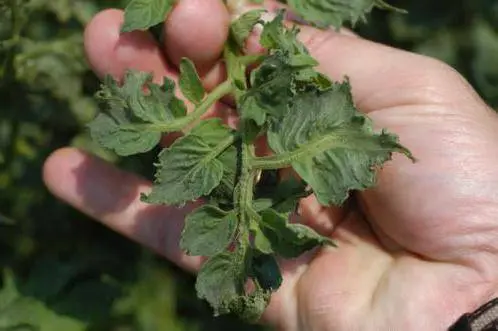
x: 244, y: 194
x: 319, y: 146
x: 220, y: 91
x: 307, y: 150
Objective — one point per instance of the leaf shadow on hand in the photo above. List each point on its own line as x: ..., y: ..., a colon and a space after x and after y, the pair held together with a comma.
x: 116, y: 202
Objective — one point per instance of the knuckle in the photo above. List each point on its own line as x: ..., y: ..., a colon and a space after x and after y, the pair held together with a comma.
x: 443, y: 83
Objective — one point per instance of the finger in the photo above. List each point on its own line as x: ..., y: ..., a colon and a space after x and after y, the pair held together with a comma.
x: 110, y: 52
x: 323, y: 219
x: 112, y: 197
x: 198, y: 30
x: 381, y: 76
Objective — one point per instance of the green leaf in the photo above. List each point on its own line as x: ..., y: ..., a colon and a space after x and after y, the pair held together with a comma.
x: 289, y: 240
x: 336, y: 12
x: 191, y: 167
x: 270, y: 90
x: 143, y: 14
x: 236, y: 70
x: 223, y: 193
x: 260, y: 242
x: 133, y: 121
x: 302, y: 60
x: 274, y: 83
x: 283, y: 197
x: 288, y: 69
x: 242, y: 27
x: 250, y: 307
x: 151, y: 303
x: 330, y: 144
x: 276, y: 37
x: 190, y: 83
x: 266, y: 271
x: 221, y: 279
x: 208, y: 231
x: 17, y: 311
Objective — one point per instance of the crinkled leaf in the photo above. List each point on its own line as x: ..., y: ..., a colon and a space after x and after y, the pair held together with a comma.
x: 242, y: 27
x: 250, y: 307
x: 287, y: 239
x: 274, y: 83
x: 275, y: 36
x: 223, y: 193
x: 287, y: 70
x: 190, y: 83
x: 143, y: 14
x: 330, y: 144
x: 131, y: 122
x: 335, y: 12
x: 191, y: 167
x: 221, y: 279
x: 270, y: 90
x: 208, y: 231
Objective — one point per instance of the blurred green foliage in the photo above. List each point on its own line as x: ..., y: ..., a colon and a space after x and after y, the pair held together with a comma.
x: 61, y: 271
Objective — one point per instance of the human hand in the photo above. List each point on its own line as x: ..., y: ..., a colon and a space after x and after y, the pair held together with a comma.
x: 414, y: 253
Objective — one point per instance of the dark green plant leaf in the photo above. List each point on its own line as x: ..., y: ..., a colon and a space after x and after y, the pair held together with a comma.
x: 289, y: 240
x: 221, y: 279
x: 283, y: 197
x: 134, y: 120
x: 241, y: 28
x: 143, y: 14
x: 336, y: 12
x: 250, y: 307
x: 190, y: 83
x: 287, y: 70
x: 330, y: 144
x: 208, y: 231
x: 223, y: 193
x: 266, y: 271
x: 270, y: 91
x: 191, y: 167
x: 276, y: 37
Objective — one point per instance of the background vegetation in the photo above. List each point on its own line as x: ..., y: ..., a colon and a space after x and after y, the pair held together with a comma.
x: 61, y: 271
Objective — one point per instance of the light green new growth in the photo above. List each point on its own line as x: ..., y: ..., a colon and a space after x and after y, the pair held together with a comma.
x: 310, y: 124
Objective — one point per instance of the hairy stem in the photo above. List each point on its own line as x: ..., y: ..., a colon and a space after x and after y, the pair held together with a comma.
x: 219, y: 92
x: 244, y: 194
x: 284, y: 160
x: 319, y: 146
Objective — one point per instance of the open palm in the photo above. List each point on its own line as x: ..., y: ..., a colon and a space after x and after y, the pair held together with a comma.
x: 414, y: 253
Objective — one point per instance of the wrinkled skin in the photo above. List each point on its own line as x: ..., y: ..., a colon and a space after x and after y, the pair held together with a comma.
x: 414, y: 254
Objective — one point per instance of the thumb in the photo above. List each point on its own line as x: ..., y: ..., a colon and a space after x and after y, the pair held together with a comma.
x: 381, y: 76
